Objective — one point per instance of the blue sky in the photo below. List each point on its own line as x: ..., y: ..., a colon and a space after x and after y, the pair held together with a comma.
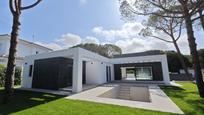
x: 52, y: 18
x: 63, y: 23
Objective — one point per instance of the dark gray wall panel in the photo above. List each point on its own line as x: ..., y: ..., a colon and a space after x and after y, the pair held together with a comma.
x: 156, y: 69
x: 52, y: 73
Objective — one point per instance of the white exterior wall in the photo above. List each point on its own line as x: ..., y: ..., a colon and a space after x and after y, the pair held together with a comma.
x: 95, y: 66
x: 142, y: 59
x: 92, y: 72
x: 78, y: 55
x: 96, y: 72
x: 29, y: 60
x: 26, y: 79
x: 24, y: 48
x: 4, y: 46
x: 19, y: 62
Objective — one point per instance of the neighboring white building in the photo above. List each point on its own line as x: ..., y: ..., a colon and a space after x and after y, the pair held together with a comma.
x: 24, y: 48
x: 76, y: 66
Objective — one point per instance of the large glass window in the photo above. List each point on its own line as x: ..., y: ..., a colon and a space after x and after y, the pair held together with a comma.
x: 143, y: 73
x: 136, y: 73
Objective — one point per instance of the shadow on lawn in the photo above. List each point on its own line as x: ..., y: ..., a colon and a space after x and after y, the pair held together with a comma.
x: 189, y: 101
x: 173, y: 91
x: 25, y: 99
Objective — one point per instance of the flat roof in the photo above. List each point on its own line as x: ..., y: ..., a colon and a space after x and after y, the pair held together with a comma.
x: 146, y: 53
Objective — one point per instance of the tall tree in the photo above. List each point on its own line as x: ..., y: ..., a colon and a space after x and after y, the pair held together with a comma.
x: 107, y: 50
x: 201, y: 56
x: 188, y: 14
x: 15, y: 7
x: 182, y: 9
x: 174, y: 61
x: 171, y: 28
x: 201, y: 18
x: 200, y: 15
x: 111, y: 50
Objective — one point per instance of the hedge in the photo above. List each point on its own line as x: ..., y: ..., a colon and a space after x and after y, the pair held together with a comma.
x: 17, y: 80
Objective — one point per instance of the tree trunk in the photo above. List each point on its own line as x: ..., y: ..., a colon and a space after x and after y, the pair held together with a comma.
x: 9, y: 77
x: 181, y: 58
x: 194, y: 54
x: 201, y: 19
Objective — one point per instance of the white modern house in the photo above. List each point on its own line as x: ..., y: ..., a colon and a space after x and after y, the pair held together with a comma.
x: 24, y: 48
x: 76, y: 66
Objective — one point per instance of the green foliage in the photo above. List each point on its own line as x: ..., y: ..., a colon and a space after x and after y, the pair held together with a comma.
x: 174, y: 62
x: 17, y: 80
x: 185, y: 97
x: 107, y: 50
x: 35, y: 103
x: 2, y: 74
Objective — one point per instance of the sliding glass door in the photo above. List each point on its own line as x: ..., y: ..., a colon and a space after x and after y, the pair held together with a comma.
x: 143, y: 73
x: 136, y: 73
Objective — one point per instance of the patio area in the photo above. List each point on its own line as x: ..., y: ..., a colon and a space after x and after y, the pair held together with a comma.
x: 157, y: 97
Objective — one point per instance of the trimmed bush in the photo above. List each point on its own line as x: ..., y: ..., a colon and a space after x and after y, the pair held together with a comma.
x: 17, y: 80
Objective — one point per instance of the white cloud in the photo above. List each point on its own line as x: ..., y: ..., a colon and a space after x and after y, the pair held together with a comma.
x: 90, y: 39
x: 82, y: 2
x: 128, y: 30
x: 126, y: 37
x: 68, y: 40
x: 141, y: 44
x: 183, y: 44
x: 51, y: 45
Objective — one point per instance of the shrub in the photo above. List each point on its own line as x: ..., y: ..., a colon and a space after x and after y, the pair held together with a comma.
x: 17, y: 80
x: 2, y: 74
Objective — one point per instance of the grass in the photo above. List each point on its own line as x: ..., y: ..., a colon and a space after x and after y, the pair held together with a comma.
x: 25, y: 102
x: 186, y: 97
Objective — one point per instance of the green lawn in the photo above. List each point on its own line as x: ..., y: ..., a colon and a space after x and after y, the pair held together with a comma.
x: 186, y: 97
x: 26, y: 103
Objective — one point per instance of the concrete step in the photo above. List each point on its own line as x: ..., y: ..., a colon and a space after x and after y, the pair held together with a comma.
x: 124, y: 87
x: 122, y: 97
x: 124, y: 91
x: 124, y: 94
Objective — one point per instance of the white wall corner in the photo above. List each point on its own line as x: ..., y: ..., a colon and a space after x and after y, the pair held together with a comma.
x: 165, y: 70
x: 77, y: 72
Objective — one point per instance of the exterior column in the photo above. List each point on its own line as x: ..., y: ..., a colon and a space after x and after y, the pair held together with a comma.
x: 77, y: 74
x: 165, y: 70
x: 112, y: 73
